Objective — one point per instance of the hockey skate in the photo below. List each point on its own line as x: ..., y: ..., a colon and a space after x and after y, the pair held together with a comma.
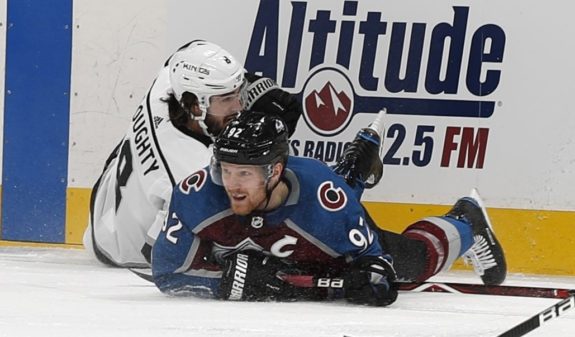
x: 486, y: 254
x: 361, y: 162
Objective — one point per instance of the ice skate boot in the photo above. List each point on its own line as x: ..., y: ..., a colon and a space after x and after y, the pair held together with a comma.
x: 486, y: 254
x: 361, y: 162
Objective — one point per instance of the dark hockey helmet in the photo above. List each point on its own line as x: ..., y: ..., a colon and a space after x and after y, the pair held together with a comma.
x: 253, y: 138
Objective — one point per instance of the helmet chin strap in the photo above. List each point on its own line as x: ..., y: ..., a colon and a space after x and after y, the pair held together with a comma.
x: 205, y: 128
x: 269, y: 190
x: 269, y: 194
x: 202, y: 121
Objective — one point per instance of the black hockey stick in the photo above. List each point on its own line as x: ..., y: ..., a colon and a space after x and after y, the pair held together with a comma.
x: 480, y: 289
x: 556, y: 310
x: 308, y: 281
x: 146, y: 276
x: 541, y: 318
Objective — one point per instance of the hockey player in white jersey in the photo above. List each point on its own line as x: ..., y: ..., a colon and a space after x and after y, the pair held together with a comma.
x: 198, y: 90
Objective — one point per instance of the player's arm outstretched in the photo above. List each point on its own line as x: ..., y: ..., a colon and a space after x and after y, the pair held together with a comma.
x: 337, y: 222
x: 369, y: 276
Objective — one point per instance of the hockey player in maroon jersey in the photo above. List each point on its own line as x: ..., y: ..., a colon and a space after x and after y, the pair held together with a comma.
x: 237, y: 228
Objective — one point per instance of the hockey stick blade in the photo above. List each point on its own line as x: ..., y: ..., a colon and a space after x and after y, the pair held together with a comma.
x: 145, y: 276
x: 377, y: 124
x: 308, y: 281
x: 541, y: 318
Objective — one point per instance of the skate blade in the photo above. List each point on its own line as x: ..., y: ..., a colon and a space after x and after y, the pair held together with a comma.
x: 475, y: 195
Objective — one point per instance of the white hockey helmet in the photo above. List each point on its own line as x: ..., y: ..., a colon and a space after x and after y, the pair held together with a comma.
x: 205, y: 70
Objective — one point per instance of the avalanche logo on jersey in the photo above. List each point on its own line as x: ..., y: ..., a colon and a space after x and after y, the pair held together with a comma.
x: 331, y: 198
x: 194, y: 182
x: 277, y: 249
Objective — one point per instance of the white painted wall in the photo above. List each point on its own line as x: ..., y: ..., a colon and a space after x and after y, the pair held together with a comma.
x: 118, y: 46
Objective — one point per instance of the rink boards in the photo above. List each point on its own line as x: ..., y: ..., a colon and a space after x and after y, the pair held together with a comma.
x: 477, y: 95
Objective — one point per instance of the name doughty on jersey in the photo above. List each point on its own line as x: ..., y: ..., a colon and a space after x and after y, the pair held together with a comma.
x: 142, y: 141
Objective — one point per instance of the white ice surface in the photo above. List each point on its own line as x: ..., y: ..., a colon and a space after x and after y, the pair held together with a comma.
x: 62, y: 292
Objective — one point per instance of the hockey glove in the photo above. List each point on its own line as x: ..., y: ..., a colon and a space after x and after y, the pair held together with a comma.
x: 360, y: 162
x: 264, y: 95
x: 370, y: 281
x: 250, y: 276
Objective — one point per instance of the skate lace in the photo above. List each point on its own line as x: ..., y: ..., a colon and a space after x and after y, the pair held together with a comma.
x: 480, y: 256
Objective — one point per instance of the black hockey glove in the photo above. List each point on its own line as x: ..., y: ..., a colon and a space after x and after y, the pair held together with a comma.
x: 370, y: 281
x: 250, y: 276
x: 264, y: 95
x: 360, y: 161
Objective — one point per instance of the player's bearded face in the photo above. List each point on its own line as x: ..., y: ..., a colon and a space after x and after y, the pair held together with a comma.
x: 245, y: 186
x: 222, y: 109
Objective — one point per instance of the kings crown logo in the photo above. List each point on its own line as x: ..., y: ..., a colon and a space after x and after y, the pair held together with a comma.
x: 346, y: 59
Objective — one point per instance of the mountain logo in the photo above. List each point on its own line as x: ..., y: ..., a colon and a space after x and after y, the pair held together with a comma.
x: 328, y: 101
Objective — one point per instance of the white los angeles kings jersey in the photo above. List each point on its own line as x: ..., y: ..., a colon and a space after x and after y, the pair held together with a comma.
x: 130, y: 200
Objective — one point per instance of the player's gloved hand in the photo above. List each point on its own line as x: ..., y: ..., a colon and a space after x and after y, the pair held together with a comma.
x: 257, y: 95
x: 360, y: 162
x: 250, y: 276
x: 263, y: 94
x: 269, y: 103
x: 370, y: 281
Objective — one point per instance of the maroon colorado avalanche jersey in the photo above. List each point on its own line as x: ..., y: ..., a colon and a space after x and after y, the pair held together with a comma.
x: 321, y: 226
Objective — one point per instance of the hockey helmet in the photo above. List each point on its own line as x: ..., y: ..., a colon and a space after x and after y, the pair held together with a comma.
x: 205, y: 70
x: 254, y: 139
